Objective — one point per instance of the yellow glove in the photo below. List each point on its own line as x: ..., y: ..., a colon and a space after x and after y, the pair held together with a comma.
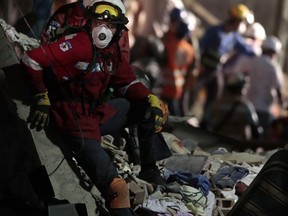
x: 39, y: 115
x: 158, y: 110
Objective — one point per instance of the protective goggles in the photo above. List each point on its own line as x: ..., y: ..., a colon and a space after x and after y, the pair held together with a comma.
x: 108, y: 12
x: 104, y: 9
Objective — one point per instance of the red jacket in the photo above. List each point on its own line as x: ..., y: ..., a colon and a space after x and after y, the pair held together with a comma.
x: 73, y: 15
x: 69, y: 57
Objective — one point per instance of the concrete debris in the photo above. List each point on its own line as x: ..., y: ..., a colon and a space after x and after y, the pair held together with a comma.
x: 25, y: 42
x: 187, y: 198
x: 187, y: 163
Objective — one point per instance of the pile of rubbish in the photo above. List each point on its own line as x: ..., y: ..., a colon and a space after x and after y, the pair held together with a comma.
x: 198, y: 183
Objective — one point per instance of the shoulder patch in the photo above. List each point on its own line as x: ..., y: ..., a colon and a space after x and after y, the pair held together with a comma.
x: 65, y: 46
x: 52, y: 26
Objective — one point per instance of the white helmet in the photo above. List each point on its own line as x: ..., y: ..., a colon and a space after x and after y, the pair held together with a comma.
x: 250, y: 17
x: 118, y: 3
x: 272, y: 43
x: 256, y: 31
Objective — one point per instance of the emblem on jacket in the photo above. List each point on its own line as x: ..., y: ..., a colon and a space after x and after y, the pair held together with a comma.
x: 52, y: 27
x: 65, y: 46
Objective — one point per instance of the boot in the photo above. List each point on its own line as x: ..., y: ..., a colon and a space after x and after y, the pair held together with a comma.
x: 152, y: 176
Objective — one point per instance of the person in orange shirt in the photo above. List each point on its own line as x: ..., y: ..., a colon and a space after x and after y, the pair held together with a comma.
x: 179, y: 56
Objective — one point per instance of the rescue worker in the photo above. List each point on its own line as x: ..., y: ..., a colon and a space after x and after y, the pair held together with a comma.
x: 217, y: 45
x: 179, y: 55
x: 73, y: 14
x: 265, y: 71
x: 254, y: 35
x: 233, y: 115
x: 86, y: 64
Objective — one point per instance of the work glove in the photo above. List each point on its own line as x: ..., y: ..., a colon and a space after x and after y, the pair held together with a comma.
x: 158, y: 110
x: 39, y: 114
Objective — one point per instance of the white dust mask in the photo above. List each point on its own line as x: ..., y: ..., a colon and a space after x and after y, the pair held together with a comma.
x: 102, y: 36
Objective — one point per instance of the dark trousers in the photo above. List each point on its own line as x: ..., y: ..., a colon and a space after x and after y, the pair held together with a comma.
x: 98, y: 166
x: 95, y: 160
x: 152, y: 145
x: 265, y: 120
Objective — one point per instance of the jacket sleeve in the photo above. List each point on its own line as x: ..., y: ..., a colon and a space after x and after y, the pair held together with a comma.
x: 33, y: 63
x: 65, y: 52
x: 242, y: 46
x: 128, y: 85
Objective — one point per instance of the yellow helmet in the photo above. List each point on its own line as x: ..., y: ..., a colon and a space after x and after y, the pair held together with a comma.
x: 239, y: 11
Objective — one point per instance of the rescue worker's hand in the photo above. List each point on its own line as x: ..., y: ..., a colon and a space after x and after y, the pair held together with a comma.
x: 158, y: 110
x: 39, y: 114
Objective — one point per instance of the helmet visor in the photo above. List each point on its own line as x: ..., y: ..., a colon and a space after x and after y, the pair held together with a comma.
x: 108, y: 10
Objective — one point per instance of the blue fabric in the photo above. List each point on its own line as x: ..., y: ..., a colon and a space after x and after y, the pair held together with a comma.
x: 222, y: 42
x: 198, y: 181
x: 226, y: 177
x: 195, y: 180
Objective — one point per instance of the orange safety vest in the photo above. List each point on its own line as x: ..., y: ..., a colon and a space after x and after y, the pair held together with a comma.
x: 180, y: 55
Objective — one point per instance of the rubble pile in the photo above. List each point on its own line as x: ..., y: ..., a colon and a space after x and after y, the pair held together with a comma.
x: 198, y: 182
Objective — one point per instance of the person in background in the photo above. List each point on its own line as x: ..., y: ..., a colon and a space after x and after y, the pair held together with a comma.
x: 85, y: 65
x: 267, y: 83
x: 233, y: 115
x: 179, y: 55
x: 217, y: 45
x: 254, y: 35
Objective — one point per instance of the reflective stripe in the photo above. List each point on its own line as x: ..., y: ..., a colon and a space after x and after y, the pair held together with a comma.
x: 124, y: 89
x: 174, y: 82
x: 81, y: 65
x: 175, y: 78
x: 30, y: 62
x: 174, y: 75
x: 179, y: 73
